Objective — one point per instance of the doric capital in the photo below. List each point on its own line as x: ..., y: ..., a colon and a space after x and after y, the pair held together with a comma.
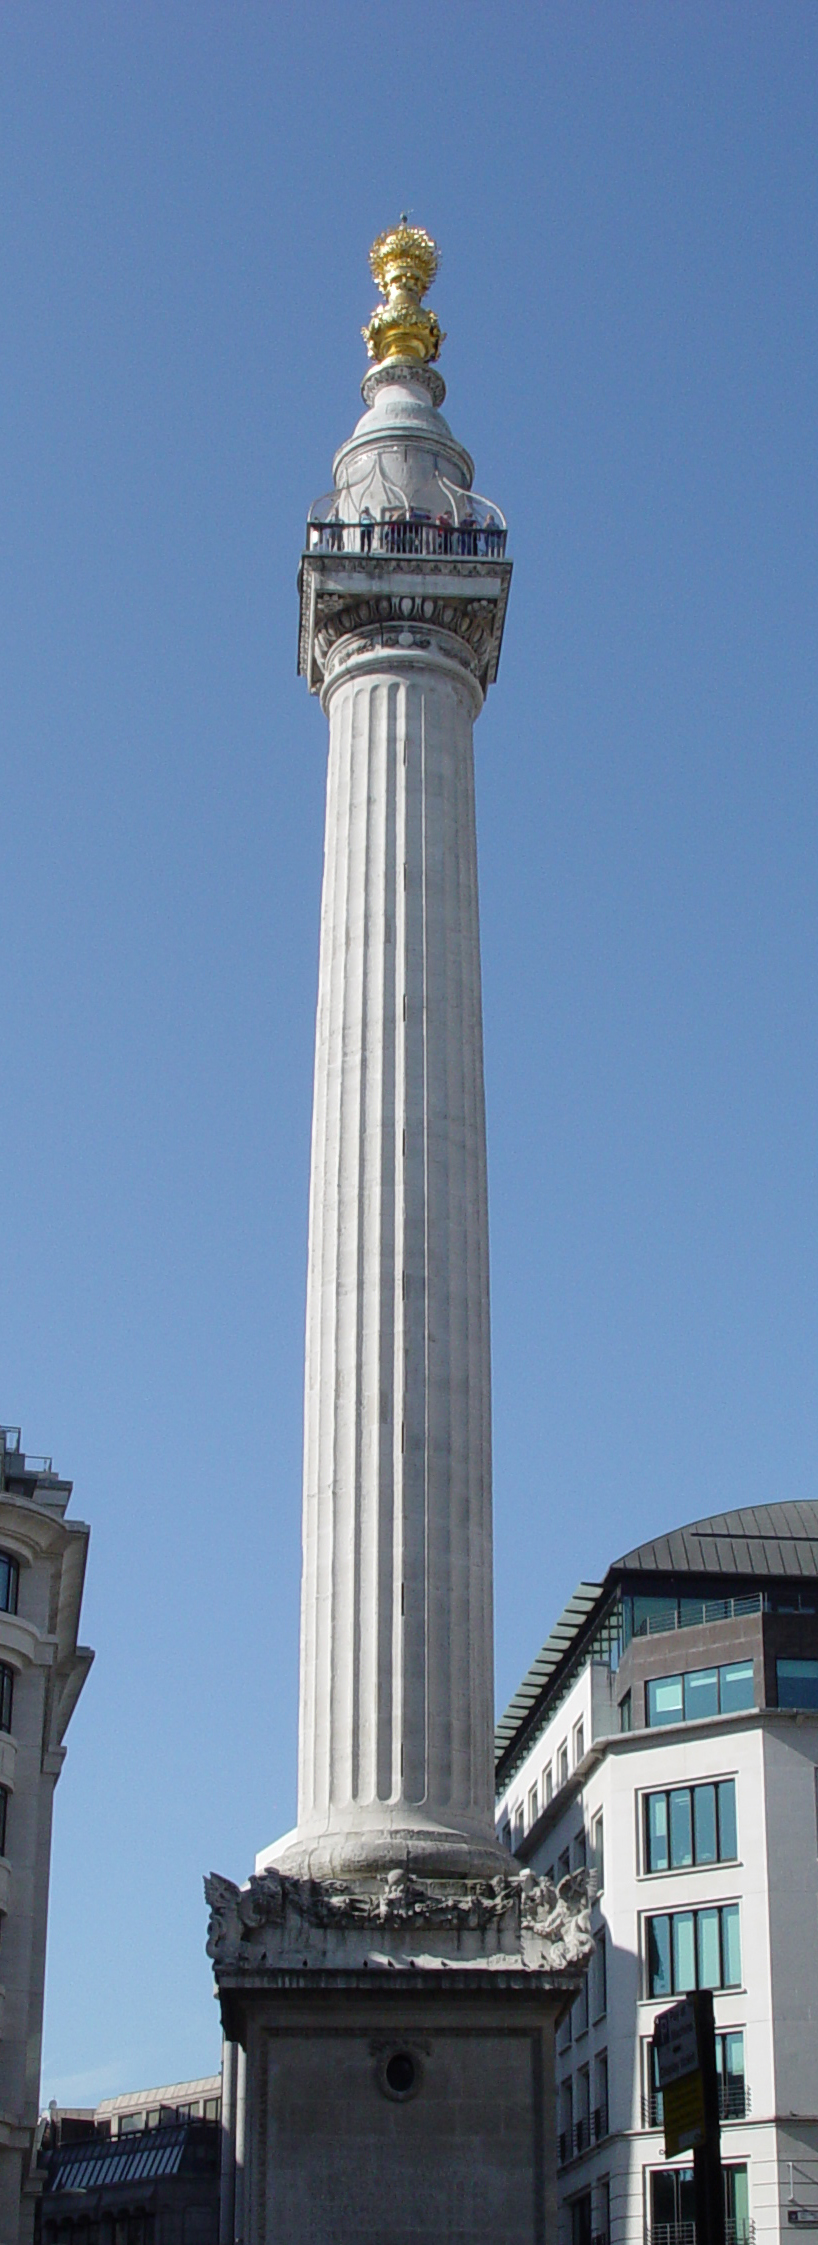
x: 356, y: 603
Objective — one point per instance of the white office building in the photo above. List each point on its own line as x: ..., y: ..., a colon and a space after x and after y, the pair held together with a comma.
x: 667, y: 1735
x: 42, y: 1672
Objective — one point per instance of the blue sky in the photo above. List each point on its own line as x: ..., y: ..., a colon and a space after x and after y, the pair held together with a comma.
x: 626, y: 201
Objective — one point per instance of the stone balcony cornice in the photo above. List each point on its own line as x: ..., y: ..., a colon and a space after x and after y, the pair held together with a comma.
x: 345, y: 595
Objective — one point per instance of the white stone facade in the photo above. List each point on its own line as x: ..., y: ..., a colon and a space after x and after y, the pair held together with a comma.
x: 613, y: 2169
x: 42, y: 1672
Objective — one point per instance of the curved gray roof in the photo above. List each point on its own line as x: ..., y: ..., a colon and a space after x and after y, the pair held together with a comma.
x: 763, y: 1539
x: 766, y: 1539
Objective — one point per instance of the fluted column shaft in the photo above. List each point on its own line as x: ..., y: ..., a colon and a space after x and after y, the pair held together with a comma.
x: 396, y: 1610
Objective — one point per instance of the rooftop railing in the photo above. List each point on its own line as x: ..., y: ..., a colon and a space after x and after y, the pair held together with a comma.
x: 695, y: 1612
x: 406, y: 534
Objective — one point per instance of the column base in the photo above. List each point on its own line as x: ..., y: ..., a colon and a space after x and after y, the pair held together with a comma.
x: 399, y: 2034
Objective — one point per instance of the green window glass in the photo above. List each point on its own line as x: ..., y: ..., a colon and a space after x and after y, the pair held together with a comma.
x: 681, y: 1830
x: 730, y: 1947
x: 737, y: 2201
x: 736, y: 1687
x: 659, y: 1973
x: 797, y: 1683
x: 701, y: 1693
x: 707, y: 1942
x: 704, y: 1810
x: 656, y: 1832
x: 684, y: 1951
x: 664, y: 1700
x: 728, y: 1837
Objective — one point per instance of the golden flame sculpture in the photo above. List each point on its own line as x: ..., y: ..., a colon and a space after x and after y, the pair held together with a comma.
x: 404, y: 263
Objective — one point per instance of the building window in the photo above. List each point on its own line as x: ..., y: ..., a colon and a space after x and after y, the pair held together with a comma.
x: 533, y: 1806
x: 693, y: 1949
x: 693, y: 1824
x: 517, y: 1824
x: 599, y: 1973
x: 579, y: 1743
x: 505, y: 1836
x: 582, y: 2124
x: 548, y: 1784
x: 580, y: 2010
x: 626, y: 1713
x: 736, y: 2205
x: 562, y: 1764
x: 566, y: 2139
x: 9, y: 1580
x: 601, y: 2097
x: 672, y: 2205
x: 734, y: 2100
x: 6, y: 1695
x: 580, y: 1850
x: 603, y: 2212
x: 598, y: 1851
x: 212, y: 2110
x: 701, y: 1691
x: 4, y: 1816
x: 563, y: 1864
x: 797, y: 1683
x: 581, y: 2227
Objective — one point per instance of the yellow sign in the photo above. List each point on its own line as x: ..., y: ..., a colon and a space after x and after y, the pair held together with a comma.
x: 683, y: 2108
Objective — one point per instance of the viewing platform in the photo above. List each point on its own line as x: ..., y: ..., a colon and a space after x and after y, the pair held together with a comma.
x: 414, y: 535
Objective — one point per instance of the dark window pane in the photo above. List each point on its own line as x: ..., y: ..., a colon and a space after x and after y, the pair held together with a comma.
x: 707, y: 1932
x: 663, y: 2196
x: 659, y: 1979
x: 730, y: 1947
x: 653, y: 1615
x: 664, y: 1699
x: 701, y: 1693
x: 797, y: 1683
x: 4, y: 1802
x: 704, y: 1812
x: 684, y: 1959
x: 8, y: 1584
x: 625, y: 1713
x: 736, y: 1685
x: 656, y: 1832
x: 6, y: 1696
x: 687, y: 2196
x: 681, y: 1835
x: 728, y: 1836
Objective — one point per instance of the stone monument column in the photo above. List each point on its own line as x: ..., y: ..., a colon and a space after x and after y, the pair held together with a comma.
x: 403, y: 588
x: 390, y: 1972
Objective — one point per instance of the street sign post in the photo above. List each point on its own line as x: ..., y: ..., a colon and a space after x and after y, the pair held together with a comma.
x: 685, y: 2043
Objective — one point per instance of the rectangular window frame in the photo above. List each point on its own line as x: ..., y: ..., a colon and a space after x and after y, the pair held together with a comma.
x: 657, y: 1810
x: 680, y: 1944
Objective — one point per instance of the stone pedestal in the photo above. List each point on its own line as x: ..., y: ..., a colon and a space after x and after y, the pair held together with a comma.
x: 399, y: 2038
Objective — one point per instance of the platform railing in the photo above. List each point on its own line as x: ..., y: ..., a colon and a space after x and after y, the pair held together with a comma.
x: 404, y: 534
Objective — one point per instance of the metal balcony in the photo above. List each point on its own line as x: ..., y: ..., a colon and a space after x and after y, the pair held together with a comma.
x: 734, y: 2103
x: 586, y: 2132
x: 684, y: 2233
